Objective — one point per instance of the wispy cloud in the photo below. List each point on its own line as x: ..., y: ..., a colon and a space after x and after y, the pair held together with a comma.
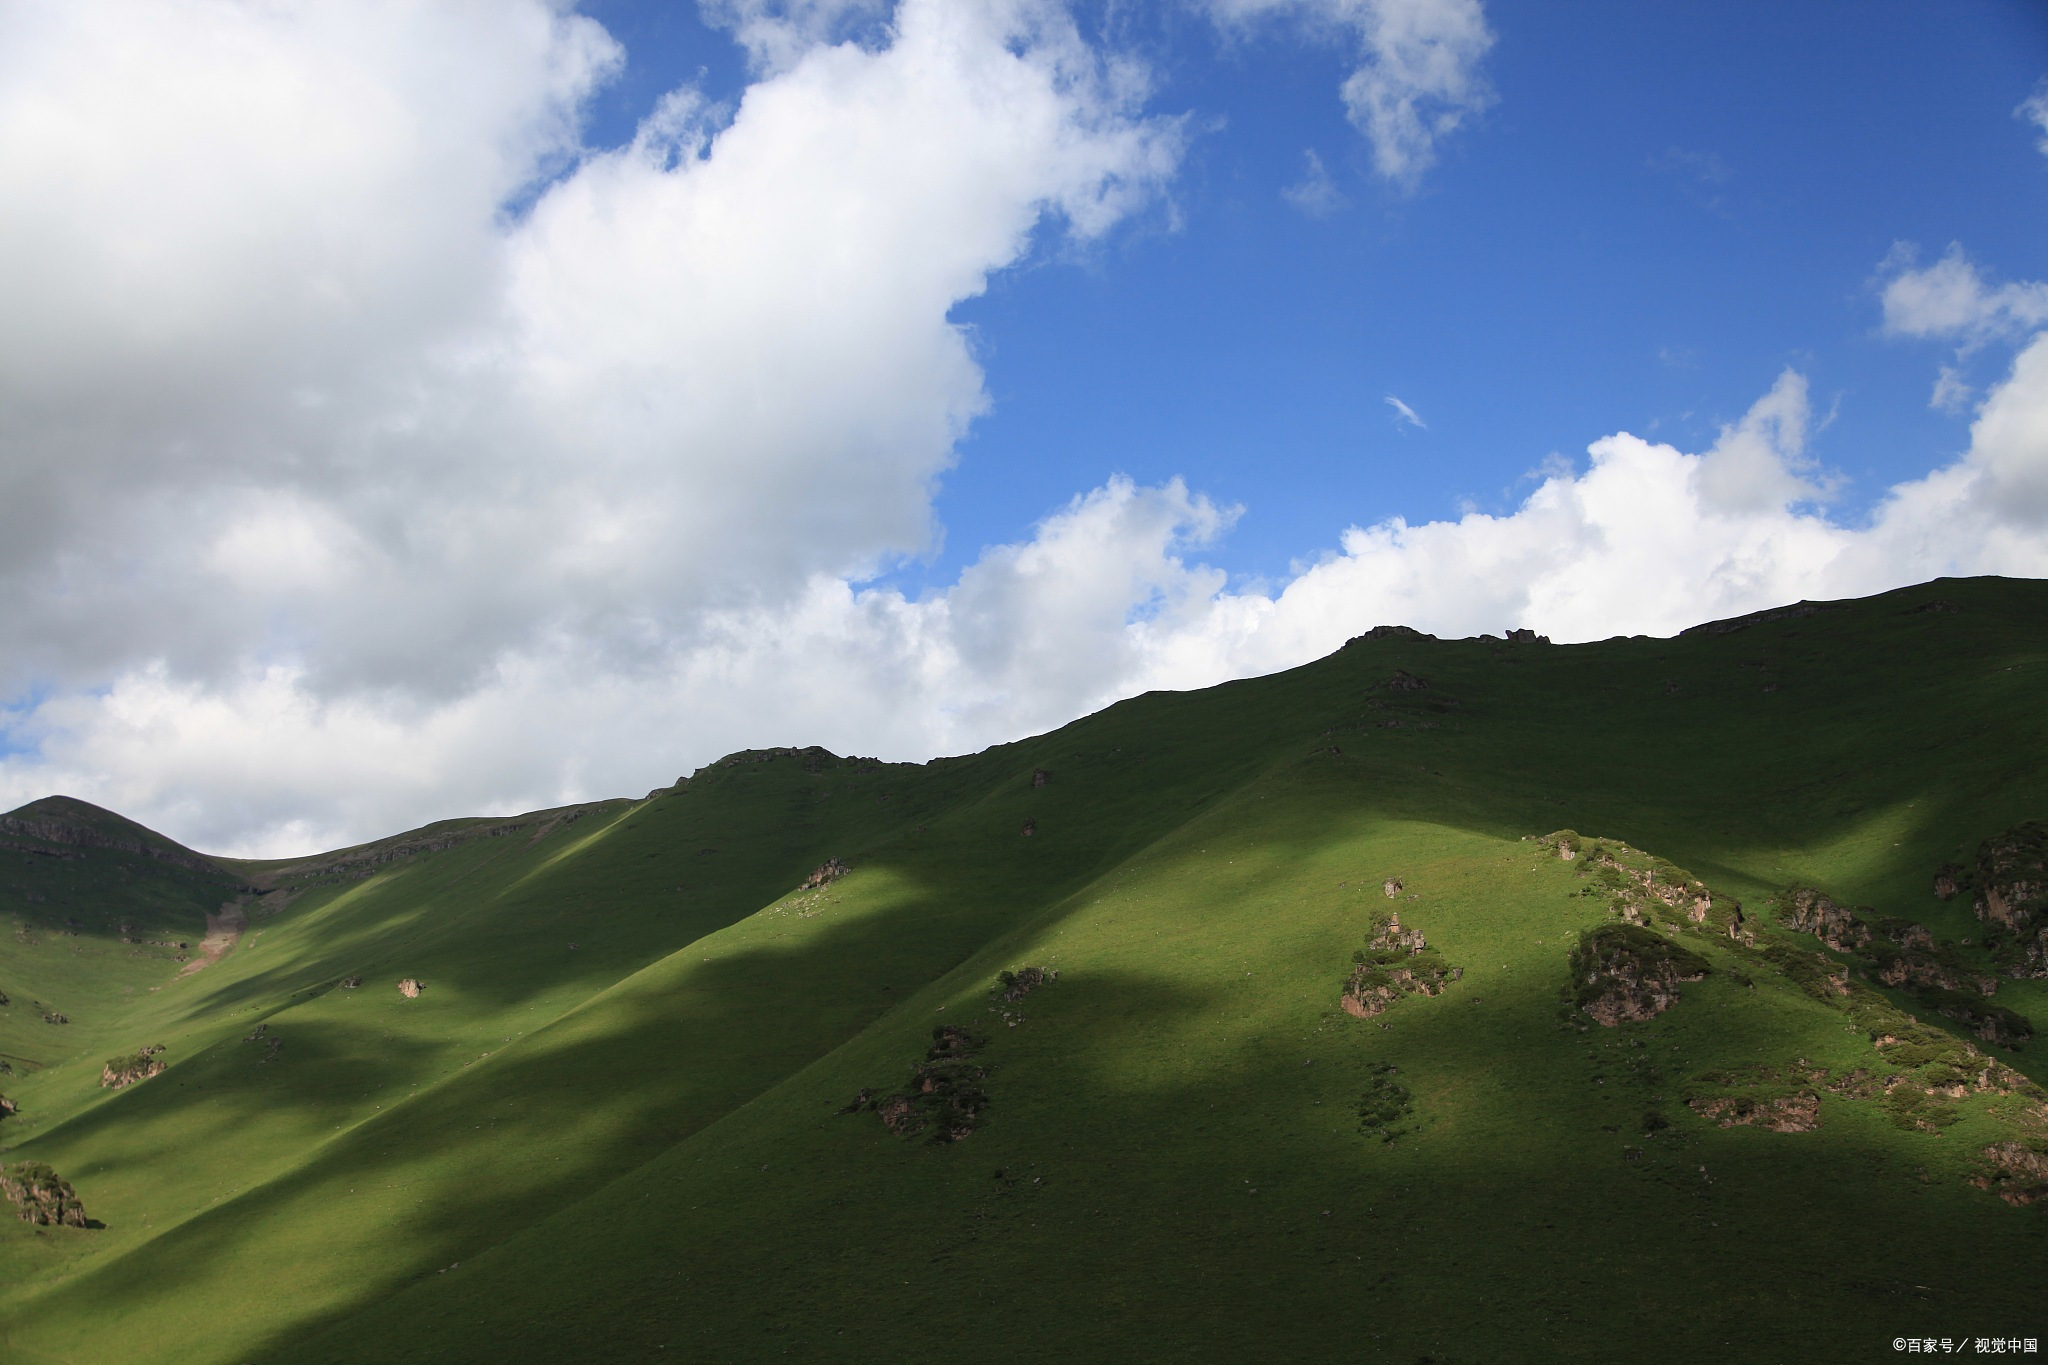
x: 1951, y: 299
x: 1418, y: 76
x: 1315, y: 194
x: 1700, y: 176
x: 2034, y: 109
x: 1404, y: 413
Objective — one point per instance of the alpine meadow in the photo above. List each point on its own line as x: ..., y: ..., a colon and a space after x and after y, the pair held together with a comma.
x: 1461, y: 1000
x: 1326, y: 682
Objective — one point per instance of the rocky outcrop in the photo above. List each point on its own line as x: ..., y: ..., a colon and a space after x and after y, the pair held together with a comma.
x: 1987, y: 1022
x: 1012, y: 987
x: 1904, y: 955
x: 1799, y: 1113
x: 1897, y: 952
x: 1923, y: 968
x: 1392, y: 886
x: 1030, y: 828
x: 1396, y: 961
x: 1797, y: 611
x: 42, y: 1197
x: 1624, y: 973
x: 1644, y: 890
x: 1041, y: 776
x: 2016, y: 1172
x: 2010, y: 882
x: 1812, y: 912
x: 945, y: 1097
x: 1388, y: 633
x: 2028, y: 958
x: 349, y: 983
x: 827, y: 872
x: 2014, y: 906
x: 1404, y: 681
x: 120, y: 1072
x: 1918, y: 1081
x: 813, y: 758
x: 411, y: 988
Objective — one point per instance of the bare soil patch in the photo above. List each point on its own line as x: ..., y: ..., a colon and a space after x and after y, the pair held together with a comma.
x: 223, y: 931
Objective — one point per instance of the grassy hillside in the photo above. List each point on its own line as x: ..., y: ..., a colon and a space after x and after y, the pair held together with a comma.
x: 611, y: 1124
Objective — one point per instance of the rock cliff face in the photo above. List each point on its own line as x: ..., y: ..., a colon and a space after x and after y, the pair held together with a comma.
x: 41, y: 1197
x: 1624, y: 973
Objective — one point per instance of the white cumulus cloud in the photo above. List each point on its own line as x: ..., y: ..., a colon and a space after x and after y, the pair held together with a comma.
x: 295, y: 410
x: 1107, y: 598
x: 336, y: 496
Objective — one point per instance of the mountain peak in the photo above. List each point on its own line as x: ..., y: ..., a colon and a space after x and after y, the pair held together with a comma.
x: 68, y: 821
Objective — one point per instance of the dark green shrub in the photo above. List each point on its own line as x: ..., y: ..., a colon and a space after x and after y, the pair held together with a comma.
x: 1385, y: 1104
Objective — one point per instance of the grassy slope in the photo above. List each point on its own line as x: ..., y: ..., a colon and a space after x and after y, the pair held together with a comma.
x: 633, y: 1147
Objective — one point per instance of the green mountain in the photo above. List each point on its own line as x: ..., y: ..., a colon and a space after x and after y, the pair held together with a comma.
x: 1450, y: 1000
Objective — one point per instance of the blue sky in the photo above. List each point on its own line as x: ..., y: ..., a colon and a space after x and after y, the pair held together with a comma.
x: 1667, y: 205
x: 410, y: 411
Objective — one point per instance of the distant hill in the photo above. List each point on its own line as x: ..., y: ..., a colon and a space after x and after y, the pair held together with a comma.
x: 57, y: 825
x: 1458, y: 1000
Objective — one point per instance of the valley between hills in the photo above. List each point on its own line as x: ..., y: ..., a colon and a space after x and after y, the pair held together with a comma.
x: 1450, y: 1000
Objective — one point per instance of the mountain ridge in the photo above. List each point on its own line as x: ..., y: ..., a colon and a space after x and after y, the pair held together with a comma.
x: 608, y: 1124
